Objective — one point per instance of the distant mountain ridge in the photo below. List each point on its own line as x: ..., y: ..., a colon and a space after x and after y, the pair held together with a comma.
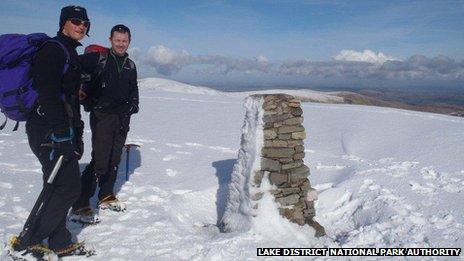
x: 363, y: 97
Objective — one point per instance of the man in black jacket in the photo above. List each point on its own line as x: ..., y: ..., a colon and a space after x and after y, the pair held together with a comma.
x: 55, y: 129
x: 116, y: 98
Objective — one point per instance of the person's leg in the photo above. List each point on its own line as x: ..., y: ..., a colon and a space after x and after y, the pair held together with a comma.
x: 60, y: 237
x: 107, y: 185
x: 89, y: 185
x: 88, y: 178
x: 103, y: 143
x: 66, y: 190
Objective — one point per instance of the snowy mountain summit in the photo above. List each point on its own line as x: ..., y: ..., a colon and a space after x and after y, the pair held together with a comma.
x: 385, y: 178
x: 173, y: 86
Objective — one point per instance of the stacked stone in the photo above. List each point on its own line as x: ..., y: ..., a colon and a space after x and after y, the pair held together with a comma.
x: 282, y: 157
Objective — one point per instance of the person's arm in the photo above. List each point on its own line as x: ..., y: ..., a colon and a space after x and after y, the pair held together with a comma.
x: 47, y: 74
x: 134, y: 95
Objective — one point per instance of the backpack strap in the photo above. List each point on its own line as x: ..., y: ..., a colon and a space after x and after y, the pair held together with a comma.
x: 101, y: 63
x: 16, y: 126
x: 4, y: 123
x: 67, y: 106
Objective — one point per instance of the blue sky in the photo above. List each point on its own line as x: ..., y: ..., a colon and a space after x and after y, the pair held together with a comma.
x: 275, y: 42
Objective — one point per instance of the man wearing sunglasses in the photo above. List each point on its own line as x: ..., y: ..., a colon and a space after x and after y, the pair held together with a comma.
x: 54, y: 129
x: 115, y: 95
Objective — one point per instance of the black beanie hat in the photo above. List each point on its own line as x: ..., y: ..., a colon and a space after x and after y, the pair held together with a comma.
x: 73, y: 11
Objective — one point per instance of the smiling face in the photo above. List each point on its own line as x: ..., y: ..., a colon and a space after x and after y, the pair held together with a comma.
x: 76, y: 32
x: 120, y: 42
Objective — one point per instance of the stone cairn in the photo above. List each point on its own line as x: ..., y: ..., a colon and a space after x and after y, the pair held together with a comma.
x: 282, y: 159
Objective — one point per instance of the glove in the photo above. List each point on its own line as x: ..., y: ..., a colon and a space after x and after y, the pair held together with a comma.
x: 62, y: 144
x: 65, y: 148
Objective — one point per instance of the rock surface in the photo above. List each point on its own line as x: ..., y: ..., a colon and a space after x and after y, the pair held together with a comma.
x: 282, y: 157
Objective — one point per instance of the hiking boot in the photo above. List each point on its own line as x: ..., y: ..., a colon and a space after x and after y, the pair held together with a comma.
x: 84, y: 216
x: 16, y: 251
x: 40, y: 252
x: 15, y: 243
x: 75, y: 249
x: 112, y: 203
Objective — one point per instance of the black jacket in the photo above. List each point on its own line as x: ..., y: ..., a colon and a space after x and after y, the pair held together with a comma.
x: 56, y: 89
x: 114, y: 89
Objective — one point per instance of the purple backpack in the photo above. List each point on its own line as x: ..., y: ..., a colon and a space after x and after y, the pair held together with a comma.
x: 17, y: 95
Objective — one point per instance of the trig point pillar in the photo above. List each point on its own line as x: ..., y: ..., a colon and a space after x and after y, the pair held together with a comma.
x: 272, y: 148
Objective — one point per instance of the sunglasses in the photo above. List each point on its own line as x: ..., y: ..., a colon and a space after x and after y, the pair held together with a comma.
x: 79, y: 22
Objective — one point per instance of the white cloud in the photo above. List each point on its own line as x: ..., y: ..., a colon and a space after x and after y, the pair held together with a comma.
x: 349, y: 64
x: 164, y: 55
x: 365, y: 56
x: 262, y: 59
x: 167, y: 61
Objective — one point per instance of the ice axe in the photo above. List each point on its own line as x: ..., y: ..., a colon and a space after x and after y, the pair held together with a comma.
x: 128, y: 147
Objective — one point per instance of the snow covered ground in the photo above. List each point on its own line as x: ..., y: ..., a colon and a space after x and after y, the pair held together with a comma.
x: 386, y: 178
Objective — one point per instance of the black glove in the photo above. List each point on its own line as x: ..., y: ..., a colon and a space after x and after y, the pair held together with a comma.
x: 61, y: 144
x: 65, y: 148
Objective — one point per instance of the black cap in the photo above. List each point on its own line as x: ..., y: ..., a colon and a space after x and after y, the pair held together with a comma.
x: 121, y: 29
x: 73, y: 11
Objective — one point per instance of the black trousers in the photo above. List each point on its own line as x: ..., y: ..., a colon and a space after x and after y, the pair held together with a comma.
x: 109, y: 133
x: 51, y: 223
